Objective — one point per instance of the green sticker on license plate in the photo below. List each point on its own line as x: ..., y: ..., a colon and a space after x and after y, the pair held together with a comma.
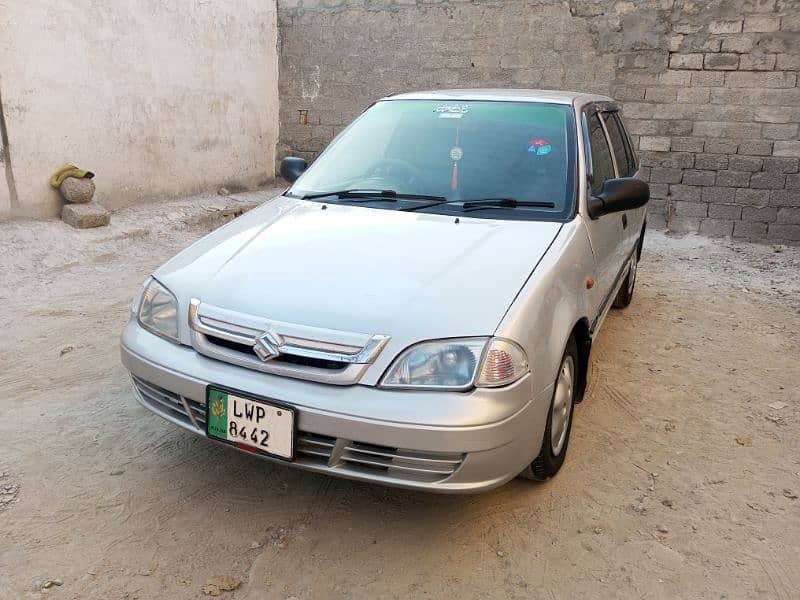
x: 250, y: 424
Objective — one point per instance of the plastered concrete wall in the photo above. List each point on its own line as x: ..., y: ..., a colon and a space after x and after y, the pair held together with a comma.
x: 710, y: 89
x: 157, y: 98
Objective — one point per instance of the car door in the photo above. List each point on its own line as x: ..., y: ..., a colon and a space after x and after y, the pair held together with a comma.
x: 625, y: 166
x: 606, y: 233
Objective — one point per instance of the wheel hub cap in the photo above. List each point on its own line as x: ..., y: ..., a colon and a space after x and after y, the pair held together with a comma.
x: 562, y: 405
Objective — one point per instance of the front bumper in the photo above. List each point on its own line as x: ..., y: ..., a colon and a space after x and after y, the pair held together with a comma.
x: 446, y: 442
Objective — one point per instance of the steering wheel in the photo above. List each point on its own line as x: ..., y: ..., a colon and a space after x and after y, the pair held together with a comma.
x: 393, y: 169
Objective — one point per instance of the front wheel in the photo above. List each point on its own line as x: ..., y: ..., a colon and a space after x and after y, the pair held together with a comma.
x: 559, y: 419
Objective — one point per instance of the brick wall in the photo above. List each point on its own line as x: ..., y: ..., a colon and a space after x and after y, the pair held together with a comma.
x: 710, y: 89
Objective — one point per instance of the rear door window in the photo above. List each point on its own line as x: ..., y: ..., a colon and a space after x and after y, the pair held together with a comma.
x: 602, y: 164
x: 617, y: 144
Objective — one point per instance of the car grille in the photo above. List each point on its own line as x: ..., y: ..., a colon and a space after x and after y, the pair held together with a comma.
x: 316, y: 450
x: 325, y: 356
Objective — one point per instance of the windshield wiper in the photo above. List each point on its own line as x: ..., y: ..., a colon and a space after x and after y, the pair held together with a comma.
x: 387, y: 195
x: 469, y: 205
x: 503, y: 203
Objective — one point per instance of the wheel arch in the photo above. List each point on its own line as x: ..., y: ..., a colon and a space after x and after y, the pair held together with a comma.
x: 583, y: 340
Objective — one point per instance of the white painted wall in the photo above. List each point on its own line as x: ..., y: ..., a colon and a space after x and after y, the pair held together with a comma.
x: 157, y: 98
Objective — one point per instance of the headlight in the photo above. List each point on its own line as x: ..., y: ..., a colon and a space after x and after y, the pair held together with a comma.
x: 158, y: 311
x: 457, y: 364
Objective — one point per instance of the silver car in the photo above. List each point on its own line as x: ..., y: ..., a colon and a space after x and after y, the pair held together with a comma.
x: 418, y: 308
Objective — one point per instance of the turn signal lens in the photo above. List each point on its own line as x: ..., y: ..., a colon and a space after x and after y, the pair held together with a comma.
x: 504, y: 362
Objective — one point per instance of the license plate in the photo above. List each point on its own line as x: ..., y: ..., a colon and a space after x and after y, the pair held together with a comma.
x: 250, y: 423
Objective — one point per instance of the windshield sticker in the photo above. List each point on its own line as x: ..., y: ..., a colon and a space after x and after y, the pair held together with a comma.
x: 452, y: 111
x: 539, y: 147
x: 456, y: 153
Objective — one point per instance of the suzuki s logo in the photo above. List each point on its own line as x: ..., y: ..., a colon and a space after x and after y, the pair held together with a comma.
x: 268, y: 345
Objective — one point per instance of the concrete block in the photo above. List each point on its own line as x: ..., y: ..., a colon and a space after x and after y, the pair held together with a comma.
x: 734, y: 26
x: 762, y: 214
x: 749, y: 197
x: 761, y: 24
x: 776, y: 79
x: 787, y: 148
x: 716, y: 227
x: 725, y: 211
x: 757, y: 62
x: 776, y: 164
x: 768, y: 181
x: 786, y: 197
x: 724, y: 61
x: 687, y: 144
x: 745, y: 163
x: 749, y: 231
x: 654, y: 143
x: 711, y: 162
x: 695, y: 177
x: 85, y: 216
x: 690, y: 209
x: 687, y: 193
x: 684, y: 224
x: 755, y: 147
x: 786, y: 232
x: 686, y: 61
x: 789, y: 214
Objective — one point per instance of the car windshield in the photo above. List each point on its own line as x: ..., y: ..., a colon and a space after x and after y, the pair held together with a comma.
x: 452, y: 153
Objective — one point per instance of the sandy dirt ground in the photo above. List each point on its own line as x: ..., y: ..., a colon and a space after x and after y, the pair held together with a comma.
x: 682, y: 478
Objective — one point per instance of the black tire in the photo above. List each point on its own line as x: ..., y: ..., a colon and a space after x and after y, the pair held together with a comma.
x: 549, y: 461
x: 625, y: 293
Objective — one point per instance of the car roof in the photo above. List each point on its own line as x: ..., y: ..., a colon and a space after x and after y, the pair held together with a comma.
x: 503, y: 95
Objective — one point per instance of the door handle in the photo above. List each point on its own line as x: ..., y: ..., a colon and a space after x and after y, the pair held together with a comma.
x: 624, y: 221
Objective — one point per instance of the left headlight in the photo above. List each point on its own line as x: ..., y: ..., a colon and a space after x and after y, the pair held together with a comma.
x: 457, y: 364
x: 158, y: 311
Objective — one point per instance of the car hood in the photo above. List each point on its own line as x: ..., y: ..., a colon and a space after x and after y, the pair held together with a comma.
x: 411, y: 276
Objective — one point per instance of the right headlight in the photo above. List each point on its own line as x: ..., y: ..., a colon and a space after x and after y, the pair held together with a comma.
x: 457, y: 364
x: 158, y: 311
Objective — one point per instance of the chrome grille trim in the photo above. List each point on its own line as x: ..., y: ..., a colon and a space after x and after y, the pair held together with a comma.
x: 246, y: 329
x: 313, y: 450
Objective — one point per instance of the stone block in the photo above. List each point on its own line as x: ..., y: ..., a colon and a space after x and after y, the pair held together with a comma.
x: 85, y: 216
x: 755, y: 147
x: 686, y: 61
x: 788, y: 62
x: 721, y: 146
x: 687, y: 144
x: 686, y: 193
x: 711, y: 162
x: 684, y: 224
x: 787, y: 148
x: 725, y: 211
x: 768, y: 181
x: 695, y: 177
x: 718, y: 195
x: 757, y: 62
x: 77, y: 191
x: 734, y: 26
x: 789, y: 214
x: 782, y: 231
x: 793, y: 182
x: 762, y: 214
x: 749, y: 231
x: 745, y: 163
x: 777, y: 164
x: 786, y: 197
x: 761, y: 24
x: 662, y: 175
x: 716, y: 227
x: 690, y: 209
x: 749, y: 197
x: 747, y: 79
x: 723, y: 61
x: 654, y: 143
x: 738, y: 44
x: 693, y: 95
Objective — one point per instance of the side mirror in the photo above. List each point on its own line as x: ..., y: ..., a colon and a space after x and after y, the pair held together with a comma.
x: 625, y: 193
x: 292, y: 167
